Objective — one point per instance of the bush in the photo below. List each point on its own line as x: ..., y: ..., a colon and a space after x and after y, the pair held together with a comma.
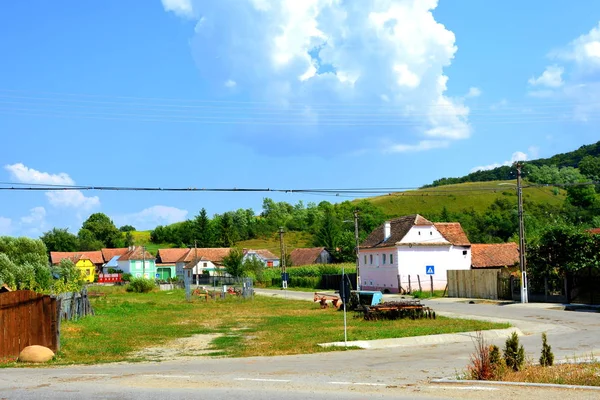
x: 140, y: 285
x: 514, y: 355
x: 126, y: 277
x: 547, y: 357
x: 481, y: 367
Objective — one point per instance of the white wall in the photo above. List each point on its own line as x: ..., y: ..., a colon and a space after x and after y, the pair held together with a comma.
x: 410, y: 261
x: 423, y: 234
x: 197, y: 270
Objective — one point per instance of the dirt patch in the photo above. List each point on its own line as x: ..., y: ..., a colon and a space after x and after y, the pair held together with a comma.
x: 193, y: 346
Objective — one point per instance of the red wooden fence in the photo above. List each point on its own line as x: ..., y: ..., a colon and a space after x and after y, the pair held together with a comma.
x: 27, y: 318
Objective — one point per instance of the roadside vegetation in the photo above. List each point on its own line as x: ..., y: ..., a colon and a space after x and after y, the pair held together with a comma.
x: 128, y: 322
x: 489, y: 363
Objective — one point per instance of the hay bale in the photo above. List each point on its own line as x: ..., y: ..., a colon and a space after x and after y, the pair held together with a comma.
x: 36, y: 354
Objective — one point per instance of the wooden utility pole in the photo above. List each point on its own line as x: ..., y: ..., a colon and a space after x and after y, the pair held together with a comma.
x: 522, y: 260
x: 143, y: 261
x: 357, y: 253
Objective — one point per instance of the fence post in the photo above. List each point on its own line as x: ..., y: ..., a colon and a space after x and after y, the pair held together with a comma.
x: 399, y: 284
x: 419, y: 280
x: 409, y: 286
x: 431, y: 277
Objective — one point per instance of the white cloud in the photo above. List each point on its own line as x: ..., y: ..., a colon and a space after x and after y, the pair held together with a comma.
x: 230, y: 83
x: 551, y: 77
x: 182, y: 8
x: 36, y: 215
x: 5, y: 226
x: 331, y: 54
x: 584, y: 50
x: 64, y: 198
x: 516, y: 156
x: 150, y: 217
x: 423, y: 145
x: 473, y: 92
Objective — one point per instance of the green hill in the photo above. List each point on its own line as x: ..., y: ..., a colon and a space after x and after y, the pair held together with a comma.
x: 464, y: 196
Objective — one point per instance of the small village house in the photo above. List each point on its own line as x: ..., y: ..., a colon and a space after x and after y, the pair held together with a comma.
x: 265, y: 256
x: 202, y: 261
x: 309, y: 256
x: 85, y: 266
x: 94, y: 256
x: 138, y: 262
x: 405, y: 250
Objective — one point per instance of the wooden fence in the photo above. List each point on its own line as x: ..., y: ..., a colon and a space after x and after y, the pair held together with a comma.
x: 27, y: 318
x: 474, y: 283
x: 74, y: 305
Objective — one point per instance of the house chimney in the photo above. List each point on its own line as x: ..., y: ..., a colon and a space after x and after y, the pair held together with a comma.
x: 387, y: 230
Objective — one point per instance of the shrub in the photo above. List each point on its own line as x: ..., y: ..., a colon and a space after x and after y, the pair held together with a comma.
x: 140, y: 285
x: 495, y: 358
x: 481, y: 367
x: 126, y: 277
x: 514, y: 355
x: 547, y: 357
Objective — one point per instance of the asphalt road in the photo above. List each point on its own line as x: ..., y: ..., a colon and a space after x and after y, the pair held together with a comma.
x: 379, y: 373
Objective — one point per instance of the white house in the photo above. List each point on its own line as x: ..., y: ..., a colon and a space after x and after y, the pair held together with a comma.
x: 265, y: 256
x: 405, y: 250
x: 201, y: 260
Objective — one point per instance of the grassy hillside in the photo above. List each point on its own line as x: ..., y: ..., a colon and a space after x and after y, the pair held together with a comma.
x: 292, y: 241
x: 476, y: 195
x: 142, y: 238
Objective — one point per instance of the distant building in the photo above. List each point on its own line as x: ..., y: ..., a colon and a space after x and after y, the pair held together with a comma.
x: 403, y: 250
x: 497, y: 255
x: 312, y: 255
x: 265, y: 256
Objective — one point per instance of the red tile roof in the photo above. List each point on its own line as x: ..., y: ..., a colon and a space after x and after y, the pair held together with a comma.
x: 399, y: 227
x: 170, y: 256
x: 94, y: 256
x: 108, y: 254
x: 137, y: 253
x: 305, y: 256
x: 266, y: 254
x: 214, y: 254
x: 453, y: 233
x: 594, y: 231
x: 494, y: 255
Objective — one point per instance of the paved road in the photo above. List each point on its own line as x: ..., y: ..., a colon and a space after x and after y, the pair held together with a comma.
x: 402, y: 372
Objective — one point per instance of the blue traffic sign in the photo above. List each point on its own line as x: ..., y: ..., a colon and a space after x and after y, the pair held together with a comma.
x: 430, y: 270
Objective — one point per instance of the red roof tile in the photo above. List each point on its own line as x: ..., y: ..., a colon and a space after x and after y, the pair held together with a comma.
x: 108, y: 254
x: 137, y: 253
x: 305, y: 256
x: 94, y: 256
x: 453, y: 233
x: 170, y: 255
x: 494, y: 255
x: 399, y: 227
x: 594, y: 231
x: 214, y: 254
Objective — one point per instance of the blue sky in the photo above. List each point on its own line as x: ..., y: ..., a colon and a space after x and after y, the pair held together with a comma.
x: 279, y: 94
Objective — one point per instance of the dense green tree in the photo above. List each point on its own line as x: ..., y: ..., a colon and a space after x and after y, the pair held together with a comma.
x: 226, y: 230
x: 203, y: 227
x: 24, y: 263
x: 127, y: 228
x: 88, y: 242
x: 234, y: 263
x: 60, y: 240
x: 129, y: 241
x: 330, y: 230
x: 103, y: 229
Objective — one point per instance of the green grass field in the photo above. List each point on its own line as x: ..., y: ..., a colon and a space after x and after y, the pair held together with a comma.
x: 142, y: 238
x: 293, y: 240
x: 128, y: 322
x: 476, y: 195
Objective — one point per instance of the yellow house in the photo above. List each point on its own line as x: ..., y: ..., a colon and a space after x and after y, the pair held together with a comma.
x: 85, y: 266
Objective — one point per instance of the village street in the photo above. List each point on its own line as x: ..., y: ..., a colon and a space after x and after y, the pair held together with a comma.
x: 396, y: 372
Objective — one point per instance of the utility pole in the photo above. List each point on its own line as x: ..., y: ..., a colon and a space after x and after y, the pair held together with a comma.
x: 144, y: 261
x: 524, y: 290
x: 282, y: 249
x: 357, y: 255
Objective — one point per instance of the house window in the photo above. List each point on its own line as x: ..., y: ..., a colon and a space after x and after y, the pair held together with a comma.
x: 464, y: 252
x: 205, y: 265
x: 371, y: 259
x: 419, y: 233
x: 430, y: 233
x: 365, y: 259
x: 391, y: 258
x: 383, y: 259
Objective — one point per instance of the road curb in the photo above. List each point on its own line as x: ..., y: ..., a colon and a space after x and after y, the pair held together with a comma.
x: 425, y: 340
x: 524, y: 384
